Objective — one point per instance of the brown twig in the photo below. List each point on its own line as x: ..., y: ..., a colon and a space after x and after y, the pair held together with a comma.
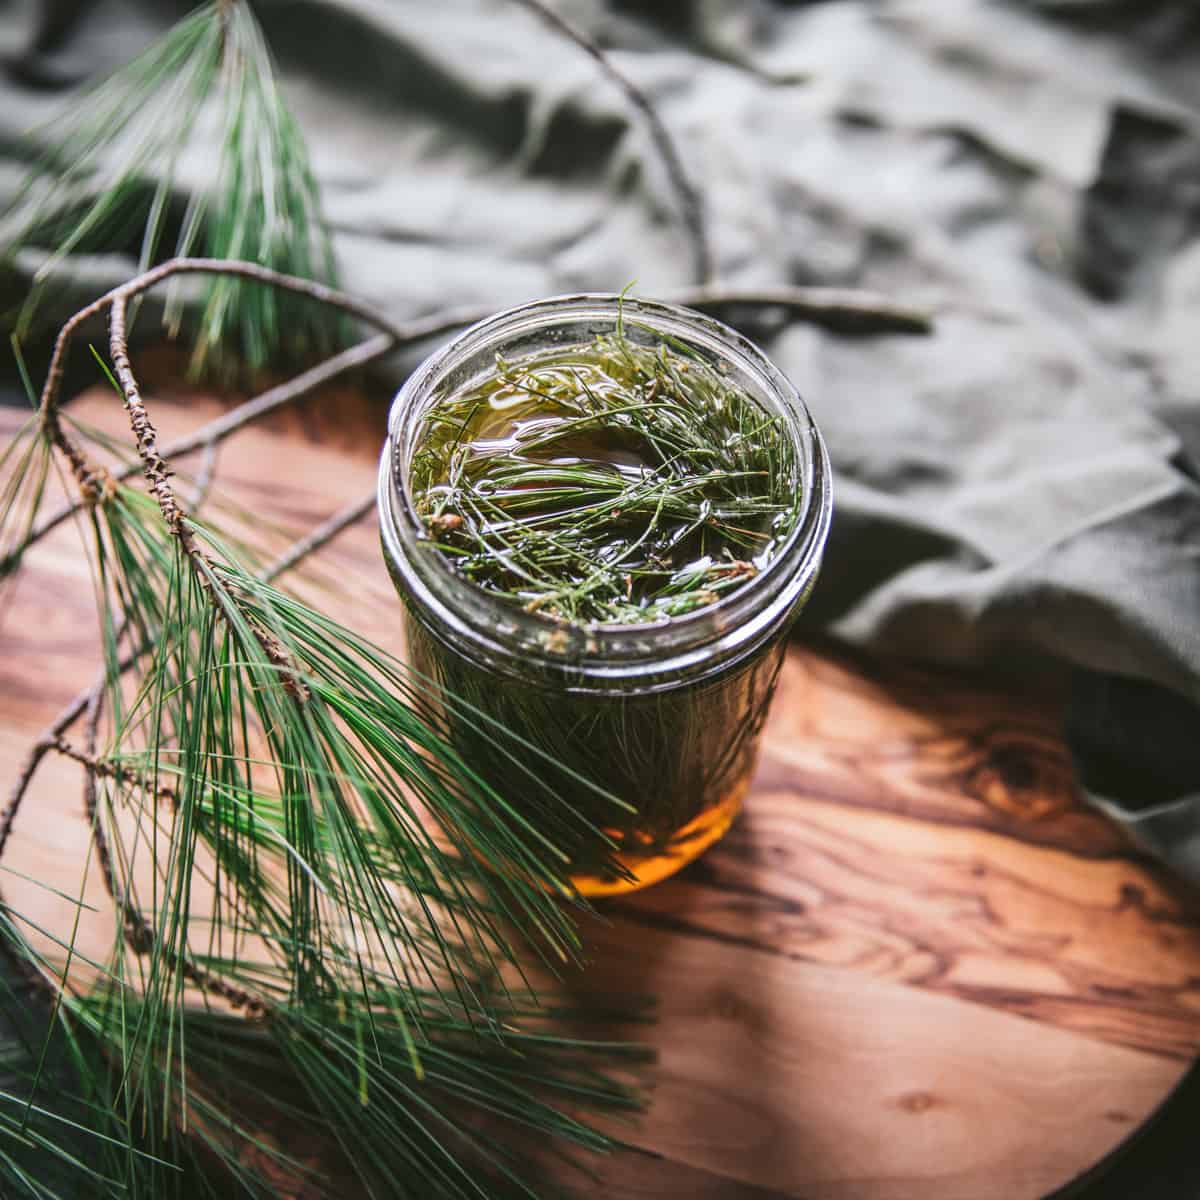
x: 131, y: 918
x: 837, y: 309
x: 119, y: 297
x: 103, y: 768
x: 140, y: 935
x: 46, y: 742
x: 691, y: 203
x: 207, y: 476
x: 843, y: 310
x: 154, y: 466
x: 216, y: 431
x: 321, y: 536
x: 840, y: 310
x: 52, y: 739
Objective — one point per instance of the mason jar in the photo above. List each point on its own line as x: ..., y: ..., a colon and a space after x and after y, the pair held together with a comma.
x: 629, y: 748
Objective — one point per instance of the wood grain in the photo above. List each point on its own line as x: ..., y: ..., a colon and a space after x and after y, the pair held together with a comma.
x: 823, y: 1082
x: 917, y: 967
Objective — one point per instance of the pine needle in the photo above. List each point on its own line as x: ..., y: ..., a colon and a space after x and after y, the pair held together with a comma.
x: 321, y: 913
x: 108, y: 176
x: 618, y: 483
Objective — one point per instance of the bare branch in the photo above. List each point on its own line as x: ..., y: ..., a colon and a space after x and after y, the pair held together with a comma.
x: 691, y: 203
x: 131, y: 919
x: 842, y: 310
x: 200, y: 266
x: 319, y: 537
x: 154, y: 466
x: 216, y: 431
x: 38, y: 751
x: 205, y: 479
x: 282, y: 394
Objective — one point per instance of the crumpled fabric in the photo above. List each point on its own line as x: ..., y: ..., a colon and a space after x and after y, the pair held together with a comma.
x: 1020, y: 490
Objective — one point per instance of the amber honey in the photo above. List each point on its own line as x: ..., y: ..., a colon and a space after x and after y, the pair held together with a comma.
x: 681, y: 758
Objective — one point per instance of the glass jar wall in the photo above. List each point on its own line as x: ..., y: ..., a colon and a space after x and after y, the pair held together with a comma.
x: 649, y: 732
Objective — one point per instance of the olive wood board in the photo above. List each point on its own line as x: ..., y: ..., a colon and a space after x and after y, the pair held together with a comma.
x: 918, y: 967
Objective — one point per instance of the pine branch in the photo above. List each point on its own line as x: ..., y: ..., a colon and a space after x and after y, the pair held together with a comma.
x: 263, y: 747
x: 51, y: 739
x: 95, y: 182
x: 840, y: 310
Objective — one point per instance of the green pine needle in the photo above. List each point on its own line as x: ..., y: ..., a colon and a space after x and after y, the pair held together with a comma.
x: 323, y: 917
x: 109, y: 175
x: 617, y: 482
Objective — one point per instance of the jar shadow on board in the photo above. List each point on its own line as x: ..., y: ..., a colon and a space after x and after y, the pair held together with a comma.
x: 634, y: 703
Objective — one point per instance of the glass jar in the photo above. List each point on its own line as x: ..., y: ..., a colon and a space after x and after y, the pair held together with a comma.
x: 645, y: 736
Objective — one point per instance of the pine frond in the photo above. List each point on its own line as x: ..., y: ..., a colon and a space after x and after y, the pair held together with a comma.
x: 110, y: 177
x: 322, y: 916
x: 62, y: 1132
x: 295, y: 853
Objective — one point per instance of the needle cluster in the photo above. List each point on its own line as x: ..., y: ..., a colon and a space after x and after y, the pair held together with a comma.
x: 112, y: 167
x: 619, y: 482
x: 322, y: 919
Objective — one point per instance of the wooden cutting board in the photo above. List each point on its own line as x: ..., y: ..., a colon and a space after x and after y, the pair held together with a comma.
x: 916, y: 969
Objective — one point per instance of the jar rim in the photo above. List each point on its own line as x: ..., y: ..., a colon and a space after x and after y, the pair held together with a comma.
x: 506, y: 635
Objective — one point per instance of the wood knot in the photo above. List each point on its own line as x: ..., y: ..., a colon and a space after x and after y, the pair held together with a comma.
x: 1025, y: 776
x: 918, y: 1102
x: 728, y: 1005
